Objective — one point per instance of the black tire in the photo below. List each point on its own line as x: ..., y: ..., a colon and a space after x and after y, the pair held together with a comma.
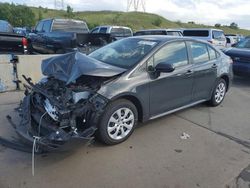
x: 102, y: 132
x: 214, y: 101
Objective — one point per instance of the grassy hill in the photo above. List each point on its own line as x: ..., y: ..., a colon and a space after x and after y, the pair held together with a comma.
x: 135, y: 20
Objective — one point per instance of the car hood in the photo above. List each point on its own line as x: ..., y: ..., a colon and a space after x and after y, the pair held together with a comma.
x: 238, y: 52
x: 71, y: 66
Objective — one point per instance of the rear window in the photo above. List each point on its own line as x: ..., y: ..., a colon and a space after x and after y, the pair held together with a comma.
x: 70, y: 26
x: 196, y: 33
x: 218, y: 35
x: 151, y: 33
x: 121, y: 32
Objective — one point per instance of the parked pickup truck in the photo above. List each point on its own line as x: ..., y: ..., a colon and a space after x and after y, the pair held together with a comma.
x: 11, y: 42
x: 64, y: 35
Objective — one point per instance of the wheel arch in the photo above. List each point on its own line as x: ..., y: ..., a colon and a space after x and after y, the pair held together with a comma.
x: 226, y: 78
x: 135, y: 101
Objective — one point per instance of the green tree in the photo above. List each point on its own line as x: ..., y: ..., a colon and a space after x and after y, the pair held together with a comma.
x: 234, y: 25
x: 157, y: 22
x: 17, y: 15
x: 217, y: 25
x: 70, y: 13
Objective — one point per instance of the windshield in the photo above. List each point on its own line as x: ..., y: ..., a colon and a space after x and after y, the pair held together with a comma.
x: 244, y: 43
x: 124, y: 53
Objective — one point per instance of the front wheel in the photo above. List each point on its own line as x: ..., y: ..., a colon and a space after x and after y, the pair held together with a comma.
x: 218, y: 93
x: 118, y: 122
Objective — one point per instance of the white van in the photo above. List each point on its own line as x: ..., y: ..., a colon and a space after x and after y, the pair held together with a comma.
x: 214, y: 36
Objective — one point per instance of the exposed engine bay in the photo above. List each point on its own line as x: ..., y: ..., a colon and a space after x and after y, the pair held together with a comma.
x: 64, y: 107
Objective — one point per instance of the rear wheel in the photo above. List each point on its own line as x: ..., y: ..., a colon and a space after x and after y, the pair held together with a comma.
x: 218, y: 93
x: 118, y: 122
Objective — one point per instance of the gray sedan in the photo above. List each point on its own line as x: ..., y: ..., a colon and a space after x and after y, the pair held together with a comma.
x: 106, y: 93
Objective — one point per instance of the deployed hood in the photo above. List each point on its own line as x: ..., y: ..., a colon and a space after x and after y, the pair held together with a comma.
x: 69, y: 67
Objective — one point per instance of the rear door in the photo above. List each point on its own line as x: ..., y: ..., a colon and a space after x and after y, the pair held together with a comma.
x: 204, y: 60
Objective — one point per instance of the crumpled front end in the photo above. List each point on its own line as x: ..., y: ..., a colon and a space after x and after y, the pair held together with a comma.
x: 60, y: 116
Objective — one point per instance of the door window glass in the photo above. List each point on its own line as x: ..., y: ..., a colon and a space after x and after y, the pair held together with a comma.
x: 46, y: 26
x: 39, y: 27
x: 199, y: 52
x: 103, y: 30
x: 174, y: 53
x: 212, y: 53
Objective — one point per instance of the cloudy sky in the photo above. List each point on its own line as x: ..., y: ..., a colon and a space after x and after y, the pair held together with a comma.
x: 200, y: 11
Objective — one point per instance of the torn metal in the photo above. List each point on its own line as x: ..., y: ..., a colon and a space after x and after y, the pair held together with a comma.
x: 63, y: 109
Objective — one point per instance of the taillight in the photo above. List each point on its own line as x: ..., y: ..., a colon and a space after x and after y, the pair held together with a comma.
x: 25, y: 42
x: 25, y: 45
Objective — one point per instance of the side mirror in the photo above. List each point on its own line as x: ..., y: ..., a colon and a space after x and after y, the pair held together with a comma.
x: 234, y: 45
x: 164, y: 67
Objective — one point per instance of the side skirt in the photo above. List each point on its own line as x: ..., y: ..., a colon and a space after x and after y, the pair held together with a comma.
x: 177, y: 109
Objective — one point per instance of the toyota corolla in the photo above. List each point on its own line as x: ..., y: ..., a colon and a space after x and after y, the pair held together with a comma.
x: 106, y: 93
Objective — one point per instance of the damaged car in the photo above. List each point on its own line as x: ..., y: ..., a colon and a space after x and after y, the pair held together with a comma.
x: 106, y: 93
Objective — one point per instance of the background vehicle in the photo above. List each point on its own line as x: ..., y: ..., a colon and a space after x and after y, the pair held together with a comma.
x: 116, y: 32
x: 230, y: 41
x: 21, y: 30
x: 63, y: 35
x: 240, y: 53
x: 173, y: 32
x: 11, y: 42
x: 214, y: 36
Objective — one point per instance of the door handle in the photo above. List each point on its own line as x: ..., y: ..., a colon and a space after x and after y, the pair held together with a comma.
x: 214, y: 66
x: 189, y: 72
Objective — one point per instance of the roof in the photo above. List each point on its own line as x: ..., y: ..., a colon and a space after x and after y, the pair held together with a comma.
x: 202, y: 29
x: 159, y: 30
x: 115, y: 26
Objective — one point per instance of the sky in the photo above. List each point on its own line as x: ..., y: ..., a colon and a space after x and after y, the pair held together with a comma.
x: 200, y: 11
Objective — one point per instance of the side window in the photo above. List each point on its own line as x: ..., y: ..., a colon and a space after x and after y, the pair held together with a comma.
x: 218, y: 35
x: 117, y: 32
x: 174, y: 33
x: 174, y: 53
x: 95, y: 30
x: 199, y: 52
x: 103, y: 30
x: 39, y: 26
x: 212, y: 53
x: 46, y: 26
x: 127, y: 33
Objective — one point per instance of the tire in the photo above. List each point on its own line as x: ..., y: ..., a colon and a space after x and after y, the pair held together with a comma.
x: 114, y: 129
x: 219, y: 93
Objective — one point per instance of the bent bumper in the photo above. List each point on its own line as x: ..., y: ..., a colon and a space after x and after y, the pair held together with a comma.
x: 56, y: 140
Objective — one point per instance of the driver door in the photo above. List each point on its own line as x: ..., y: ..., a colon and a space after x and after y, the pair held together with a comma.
x: 169, y: 91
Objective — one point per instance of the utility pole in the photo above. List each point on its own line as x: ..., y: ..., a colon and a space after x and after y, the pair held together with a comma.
x: 136, y: 5
x: 59, y: 4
